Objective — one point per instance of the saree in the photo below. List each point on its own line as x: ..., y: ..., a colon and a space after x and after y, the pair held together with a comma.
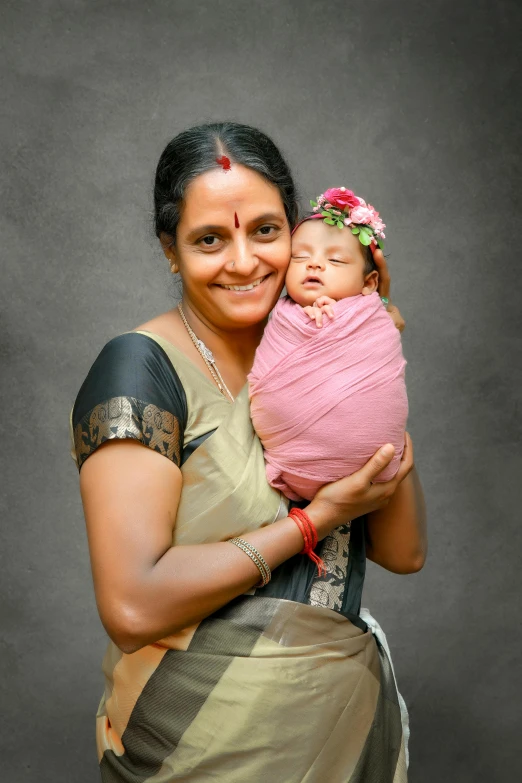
x: 286, y: 683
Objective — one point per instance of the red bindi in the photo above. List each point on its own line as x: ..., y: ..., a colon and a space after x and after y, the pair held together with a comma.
x: 236, y: 220
x: 224, y: 162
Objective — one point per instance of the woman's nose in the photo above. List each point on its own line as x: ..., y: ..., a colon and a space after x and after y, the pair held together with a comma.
x: 242, y: 260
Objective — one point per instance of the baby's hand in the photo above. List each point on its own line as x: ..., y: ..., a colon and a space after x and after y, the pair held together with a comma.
x: 324, y: 304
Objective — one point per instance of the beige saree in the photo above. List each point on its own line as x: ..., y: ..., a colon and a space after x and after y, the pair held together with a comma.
x: 285, y: 684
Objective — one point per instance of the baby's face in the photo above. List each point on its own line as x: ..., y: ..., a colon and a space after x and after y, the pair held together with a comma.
x: 326, y: 261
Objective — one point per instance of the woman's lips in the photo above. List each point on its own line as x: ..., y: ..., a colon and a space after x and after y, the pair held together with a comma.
x: 243, y: 289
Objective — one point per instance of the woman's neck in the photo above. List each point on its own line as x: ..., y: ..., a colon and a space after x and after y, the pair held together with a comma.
x: 232, y: 349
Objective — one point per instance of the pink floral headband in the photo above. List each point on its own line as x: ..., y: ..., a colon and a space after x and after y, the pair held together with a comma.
x: 341, y: 207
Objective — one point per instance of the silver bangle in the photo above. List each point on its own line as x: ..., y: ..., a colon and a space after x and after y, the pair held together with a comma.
x: 256, y: 557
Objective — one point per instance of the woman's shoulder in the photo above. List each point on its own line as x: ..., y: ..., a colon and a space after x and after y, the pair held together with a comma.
x: 165, y: 328
x: 132, y: 363
x: 132, y: 390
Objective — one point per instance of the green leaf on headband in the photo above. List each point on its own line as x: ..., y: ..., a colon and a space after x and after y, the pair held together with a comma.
x: 329, y: 221
x: 379, y: 242
x: 340, y: 224
x: 325, y: 214
x: 313, y: 203
x: 355, y: 230
x: 364, y: 238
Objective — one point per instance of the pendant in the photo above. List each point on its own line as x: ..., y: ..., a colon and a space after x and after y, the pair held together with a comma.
x: 206, y: 353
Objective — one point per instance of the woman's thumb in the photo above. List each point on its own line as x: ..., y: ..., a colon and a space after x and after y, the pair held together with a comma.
x: 380, y: 460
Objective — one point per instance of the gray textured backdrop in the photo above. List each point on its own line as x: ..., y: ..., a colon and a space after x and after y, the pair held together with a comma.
x: 415, y: 105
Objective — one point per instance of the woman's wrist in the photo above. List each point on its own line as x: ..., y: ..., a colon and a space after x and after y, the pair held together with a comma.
x: 322, y: 516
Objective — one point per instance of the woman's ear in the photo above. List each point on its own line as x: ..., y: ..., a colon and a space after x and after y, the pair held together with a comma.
x: 371, y: 283
x: 167, y: 244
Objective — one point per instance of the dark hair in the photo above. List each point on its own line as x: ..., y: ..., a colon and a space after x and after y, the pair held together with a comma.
x: 194, y: 152
x: 369, y: 263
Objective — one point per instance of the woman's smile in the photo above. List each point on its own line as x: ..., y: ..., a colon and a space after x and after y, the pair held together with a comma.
x: 243, y: 288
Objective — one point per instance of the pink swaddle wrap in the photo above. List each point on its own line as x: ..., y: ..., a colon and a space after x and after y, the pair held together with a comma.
x: 323, y: 400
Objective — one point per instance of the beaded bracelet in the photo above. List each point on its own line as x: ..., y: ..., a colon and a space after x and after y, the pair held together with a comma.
x: 256, y: 557
x: 309, y: 533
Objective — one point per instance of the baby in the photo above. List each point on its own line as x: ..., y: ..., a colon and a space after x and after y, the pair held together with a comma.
x: 326, y: 393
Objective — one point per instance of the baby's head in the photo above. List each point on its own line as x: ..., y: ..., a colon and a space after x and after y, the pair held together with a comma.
x: 328, y: 258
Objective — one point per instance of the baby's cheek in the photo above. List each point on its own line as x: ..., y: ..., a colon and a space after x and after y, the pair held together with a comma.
x: 292, y: 282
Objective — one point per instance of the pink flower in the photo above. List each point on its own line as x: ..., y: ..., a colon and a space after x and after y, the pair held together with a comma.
x: 361, y: 215
x: 347, y: 221
x: 341, y: 198
x: 376, y: 222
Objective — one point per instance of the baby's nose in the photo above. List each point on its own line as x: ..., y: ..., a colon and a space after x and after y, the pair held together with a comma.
x: 315, y: 263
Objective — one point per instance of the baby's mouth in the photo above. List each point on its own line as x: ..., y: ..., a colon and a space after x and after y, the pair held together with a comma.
x: 312, y: 279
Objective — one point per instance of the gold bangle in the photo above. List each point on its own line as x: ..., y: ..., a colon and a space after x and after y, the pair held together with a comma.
x: 256, y: 558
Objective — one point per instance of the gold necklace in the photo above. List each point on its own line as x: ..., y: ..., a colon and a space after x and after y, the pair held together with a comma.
x: 207, y: 356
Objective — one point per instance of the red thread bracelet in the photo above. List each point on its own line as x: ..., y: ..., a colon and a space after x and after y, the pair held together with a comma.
x: 309, y: 533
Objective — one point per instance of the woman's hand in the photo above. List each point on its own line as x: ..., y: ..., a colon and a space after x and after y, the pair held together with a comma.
x: 384, y: 289
x: 356, y: 495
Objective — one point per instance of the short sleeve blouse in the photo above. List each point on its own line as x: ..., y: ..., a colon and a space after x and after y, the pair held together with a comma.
x: 131, y: 391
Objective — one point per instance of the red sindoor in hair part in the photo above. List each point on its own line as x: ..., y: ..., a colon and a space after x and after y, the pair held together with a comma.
x: 236, y: 220
x: 224, y: 162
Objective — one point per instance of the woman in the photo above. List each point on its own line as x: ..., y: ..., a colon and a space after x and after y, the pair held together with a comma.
x: 208, y: 675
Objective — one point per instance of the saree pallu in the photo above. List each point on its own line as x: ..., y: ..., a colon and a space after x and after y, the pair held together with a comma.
x: 286, y: 683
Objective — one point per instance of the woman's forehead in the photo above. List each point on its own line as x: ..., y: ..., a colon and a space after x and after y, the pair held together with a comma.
x: 219, y: 191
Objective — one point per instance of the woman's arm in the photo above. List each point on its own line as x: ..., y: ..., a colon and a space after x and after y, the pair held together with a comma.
x: 147, y: 589
x: 396, y: 536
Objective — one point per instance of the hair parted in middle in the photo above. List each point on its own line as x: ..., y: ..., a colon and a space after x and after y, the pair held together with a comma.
x: 197, y: 150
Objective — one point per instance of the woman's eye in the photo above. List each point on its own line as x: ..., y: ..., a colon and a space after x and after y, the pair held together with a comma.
x: 267, y: 231
x: 209, y: 241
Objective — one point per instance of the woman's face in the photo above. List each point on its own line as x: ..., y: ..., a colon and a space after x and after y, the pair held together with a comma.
x: 232, y: 247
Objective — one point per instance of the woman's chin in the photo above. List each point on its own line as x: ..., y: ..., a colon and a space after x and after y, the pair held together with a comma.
x: 246, y: 316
